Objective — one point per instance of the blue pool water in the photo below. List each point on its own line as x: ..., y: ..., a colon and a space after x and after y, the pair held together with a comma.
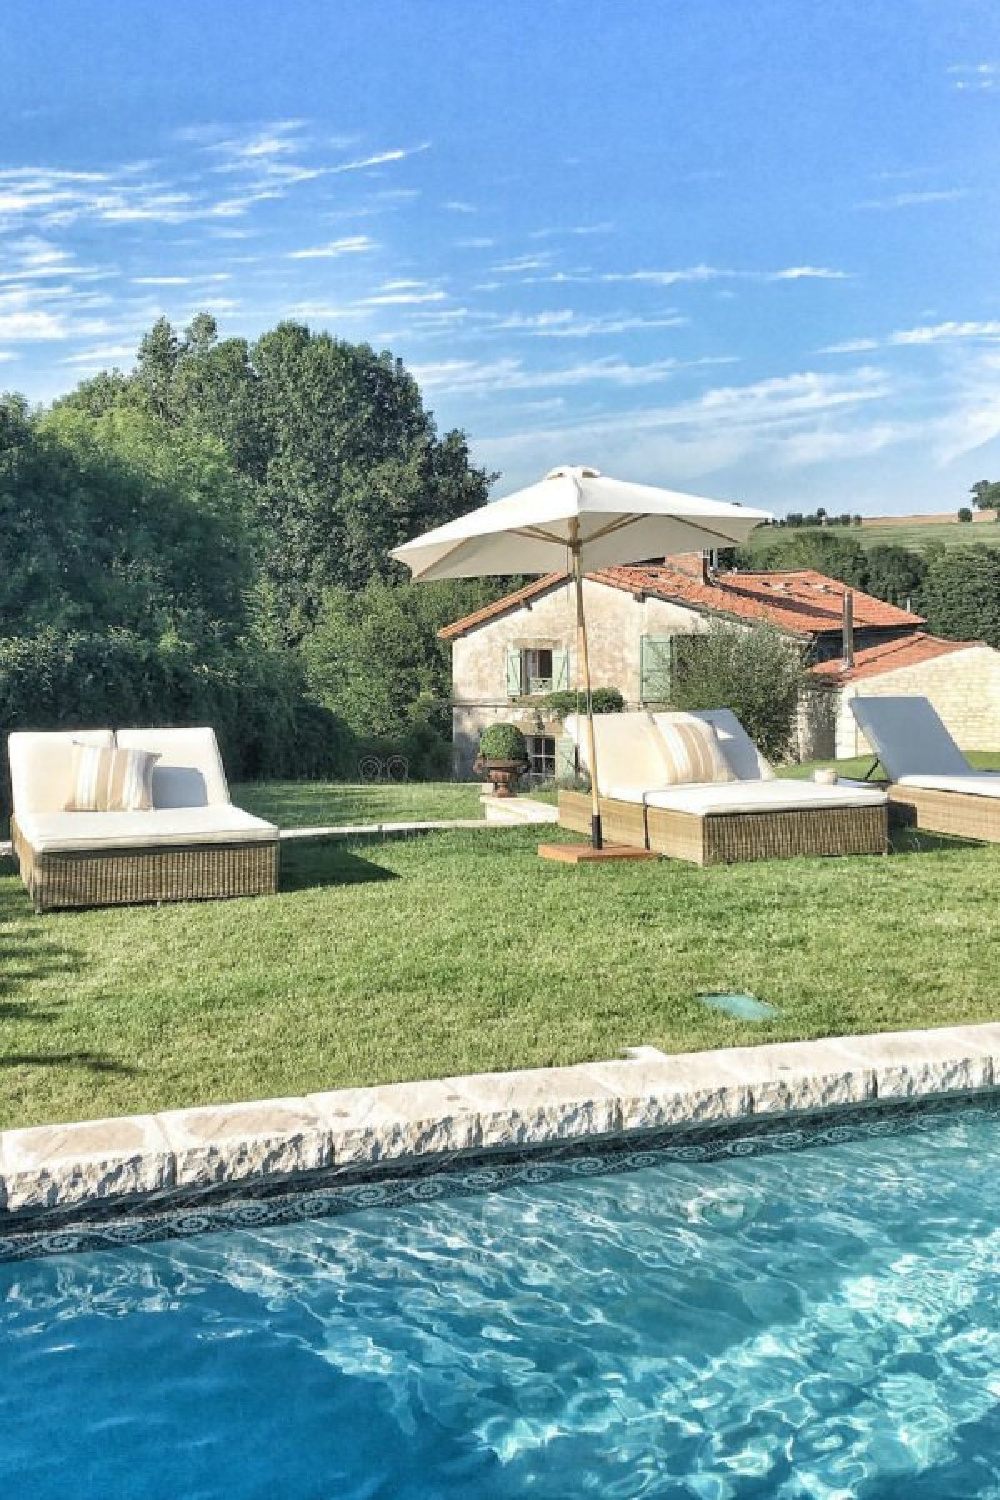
x: 807, y: 1323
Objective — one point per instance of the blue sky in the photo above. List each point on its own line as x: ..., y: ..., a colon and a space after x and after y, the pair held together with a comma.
x: 745, y: 249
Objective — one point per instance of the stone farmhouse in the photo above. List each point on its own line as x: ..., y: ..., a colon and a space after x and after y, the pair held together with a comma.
x: 523, y: 647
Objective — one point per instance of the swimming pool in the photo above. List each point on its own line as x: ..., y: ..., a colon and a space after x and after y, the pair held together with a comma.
x: 711, y: 1321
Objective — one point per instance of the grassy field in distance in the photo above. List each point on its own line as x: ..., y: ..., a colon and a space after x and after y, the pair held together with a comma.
x: 915, y: 535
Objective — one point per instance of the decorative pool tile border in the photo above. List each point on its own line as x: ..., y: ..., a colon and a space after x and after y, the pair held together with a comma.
x: 330, y: 1194
x: 124, y: 1169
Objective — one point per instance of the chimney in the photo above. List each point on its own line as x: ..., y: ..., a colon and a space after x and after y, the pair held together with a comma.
x: 848, y: 625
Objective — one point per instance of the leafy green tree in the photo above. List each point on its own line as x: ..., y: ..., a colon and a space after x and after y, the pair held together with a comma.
x: 374, y: 658
x: 810, y: 547
x: 895, y: 574
x: 986, y: 494
x: 343, y: 461
x: 758, y: 673
x: 964, y: 513
x: 116, y: 521
x: 961, y: 594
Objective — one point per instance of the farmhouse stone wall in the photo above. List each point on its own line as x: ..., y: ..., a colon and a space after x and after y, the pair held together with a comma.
x: 616, y: 622
x: 963, y: 686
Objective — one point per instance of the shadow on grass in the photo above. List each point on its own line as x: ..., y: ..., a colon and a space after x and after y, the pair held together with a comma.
x: 307, y: 865
x: 918, y: 841
x: 93, y: 1062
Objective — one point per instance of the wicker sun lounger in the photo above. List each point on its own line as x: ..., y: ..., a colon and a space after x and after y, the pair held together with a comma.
x: 753, y: 816
x: 193, y: 844
x: 932, y: 785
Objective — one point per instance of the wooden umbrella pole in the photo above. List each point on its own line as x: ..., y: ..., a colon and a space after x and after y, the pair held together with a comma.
x: 581, y: 636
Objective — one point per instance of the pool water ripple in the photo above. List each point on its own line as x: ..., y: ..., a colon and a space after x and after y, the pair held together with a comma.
x: 819, y: 1323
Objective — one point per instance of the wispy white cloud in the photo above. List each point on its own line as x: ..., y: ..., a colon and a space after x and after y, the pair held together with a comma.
x: 578, y: 230
x: 986, y: 330
x: 570, y: 325
x: 522, y: 263
x: 480, y: 378
x: 915, y: 199
x: 478, y: 242
x: 99, y: 358
x: 354, y: 244
x: 379, y: 158
x: 980, y: 77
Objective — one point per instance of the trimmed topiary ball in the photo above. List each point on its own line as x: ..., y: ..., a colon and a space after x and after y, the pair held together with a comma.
x: 503, y: 742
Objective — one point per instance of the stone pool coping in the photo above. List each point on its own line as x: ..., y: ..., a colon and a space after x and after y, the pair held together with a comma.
x: 134, y: 1158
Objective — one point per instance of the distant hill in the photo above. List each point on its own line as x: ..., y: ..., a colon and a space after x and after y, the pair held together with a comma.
x: 915, y: 532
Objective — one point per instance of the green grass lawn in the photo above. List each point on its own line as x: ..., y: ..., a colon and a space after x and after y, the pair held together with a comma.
x: 451, y: 952
x: 305, y: 804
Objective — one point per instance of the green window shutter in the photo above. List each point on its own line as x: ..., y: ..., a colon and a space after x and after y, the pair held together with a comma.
x: 560, y: 671
x: 565, y: 758
x: 656, y: 666
x: 513, y: 672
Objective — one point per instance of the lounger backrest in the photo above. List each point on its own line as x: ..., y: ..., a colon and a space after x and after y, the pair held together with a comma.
x: 188, y: 772
x: 629, y: 750
x: 41, y: 767
x: 741, y: 754
x: 908, y: 737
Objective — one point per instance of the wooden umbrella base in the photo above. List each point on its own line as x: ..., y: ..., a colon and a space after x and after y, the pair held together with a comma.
x: 586, y: 854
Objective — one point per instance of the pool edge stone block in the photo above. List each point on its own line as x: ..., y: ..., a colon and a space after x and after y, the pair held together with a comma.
x: 535, y: 1106
x: 396, y: 1122
x: 683, y: 1089
x: 802, y: 1077
x: 45, y: 1166
x: 946, y: 1060
x: 234, y: 1142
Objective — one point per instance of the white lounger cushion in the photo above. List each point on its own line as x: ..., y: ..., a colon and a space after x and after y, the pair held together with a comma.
x: 629, y: 751
x: 188, y: 771
x: 51, y: 832
x: 778, y: 795
x: 41, y: 767
x: 973, y: 783
x: 908, y: 737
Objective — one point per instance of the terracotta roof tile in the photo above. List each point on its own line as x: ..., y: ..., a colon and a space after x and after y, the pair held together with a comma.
x: 888, y: 656
x: 800, y: 602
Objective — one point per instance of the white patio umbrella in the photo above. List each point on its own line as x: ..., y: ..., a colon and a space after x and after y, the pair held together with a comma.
x: 575, y: 520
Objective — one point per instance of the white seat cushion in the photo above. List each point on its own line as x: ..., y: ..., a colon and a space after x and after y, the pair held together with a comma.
x: 908, y: 737
x: 188, y: 770
x: 41, y: 767
x: 52, y: 832
x: 629, y: 750
x: 973, y: 783
x: 779, y: 795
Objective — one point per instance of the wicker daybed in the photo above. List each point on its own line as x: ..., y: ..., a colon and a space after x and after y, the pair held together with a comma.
x: 932, y: 786
x: 192, y: 844
x: 751, y: 815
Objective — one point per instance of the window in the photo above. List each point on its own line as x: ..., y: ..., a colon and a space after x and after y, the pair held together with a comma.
x: 541, y: 755
x: 550, y: 757
x: 536, y: 669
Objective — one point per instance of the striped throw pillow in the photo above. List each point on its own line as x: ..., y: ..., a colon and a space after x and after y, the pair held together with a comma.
x: 90, y: 774
x: 111, y: 780
x: 130, y: 786
x: 692, y: 751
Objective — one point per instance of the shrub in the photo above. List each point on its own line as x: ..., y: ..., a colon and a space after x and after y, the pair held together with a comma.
x: 557, y: 705
x: 964, y: 513
x: 503, y: 742
x: 758, y: 673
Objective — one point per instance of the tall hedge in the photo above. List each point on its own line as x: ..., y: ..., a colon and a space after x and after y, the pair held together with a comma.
x: 253, y: 698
